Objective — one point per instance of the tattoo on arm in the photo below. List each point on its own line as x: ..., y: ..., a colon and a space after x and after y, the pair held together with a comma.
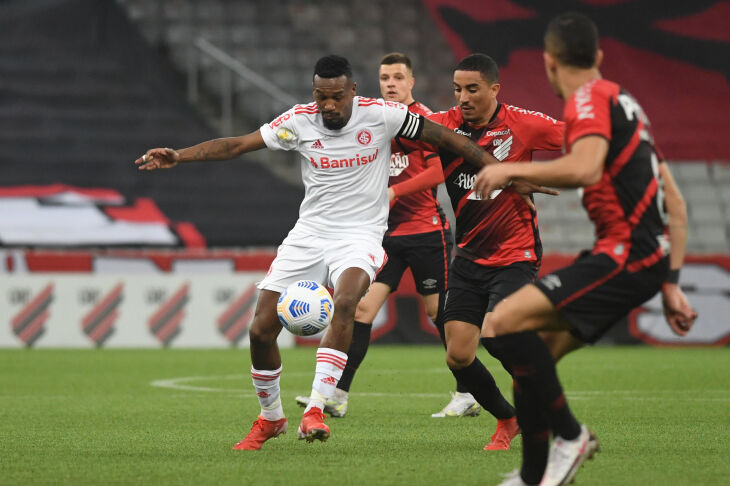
x: 218, y: 149
x: 441, y: 136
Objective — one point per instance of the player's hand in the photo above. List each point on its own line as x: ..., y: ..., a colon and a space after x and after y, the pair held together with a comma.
x: 391, y: 195
x: 491, y: 178
x: 498, y: 176
x: 158, y: 158
x: 679, y: 314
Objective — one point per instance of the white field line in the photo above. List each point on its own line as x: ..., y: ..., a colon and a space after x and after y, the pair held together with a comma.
x: 184, y: 383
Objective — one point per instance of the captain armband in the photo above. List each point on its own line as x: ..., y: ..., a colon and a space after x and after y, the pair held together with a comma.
x: 412, y: 126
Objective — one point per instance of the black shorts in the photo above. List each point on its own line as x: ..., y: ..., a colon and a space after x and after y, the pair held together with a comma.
x: 595, y: 292
x: 427, y: 255
x: 475, y: 289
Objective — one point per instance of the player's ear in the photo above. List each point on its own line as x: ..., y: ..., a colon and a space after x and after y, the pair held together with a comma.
x: 494, y: 89
x: 549, y: 61
x: 354, y: 88
x: 599, y: 57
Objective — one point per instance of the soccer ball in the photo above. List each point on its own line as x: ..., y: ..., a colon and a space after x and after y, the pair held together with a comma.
x: 305, y: 308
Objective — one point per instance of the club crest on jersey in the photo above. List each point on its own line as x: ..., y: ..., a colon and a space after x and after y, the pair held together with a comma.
x: 364, y: 137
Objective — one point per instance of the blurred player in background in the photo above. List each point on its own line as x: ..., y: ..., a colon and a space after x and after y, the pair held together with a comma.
x: 418, y: 235
x: 498, y: 248
x: 344, y: 143
x: 612, y: 158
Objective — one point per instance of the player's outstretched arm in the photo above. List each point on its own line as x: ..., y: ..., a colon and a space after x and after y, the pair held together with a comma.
x: 436, y: 134
x: 217, y: 149
x: 677, y: 310
x: 583, y: 166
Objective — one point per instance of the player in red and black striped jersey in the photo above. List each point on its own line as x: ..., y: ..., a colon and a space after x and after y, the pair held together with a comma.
x: 498, y: 246
x: 612, y: 157
x: 418, y: 235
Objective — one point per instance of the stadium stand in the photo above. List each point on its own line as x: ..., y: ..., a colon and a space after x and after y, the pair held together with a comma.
x: 83, y: 95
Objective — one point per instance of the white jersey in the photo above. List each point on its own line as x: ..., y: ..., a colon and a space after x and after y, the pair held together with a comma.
x: 345, y: 171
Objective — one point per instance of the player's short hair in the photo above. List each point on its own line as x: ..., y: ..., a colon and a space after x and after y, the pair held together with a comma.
x: 572, y: 38
x: 332, y: 66
x: 482, y: 63
x: 397, y: 58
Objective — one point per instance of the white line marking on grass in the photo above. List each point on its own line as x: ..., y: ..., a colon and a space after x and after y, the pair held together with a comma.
x: 184, y: 383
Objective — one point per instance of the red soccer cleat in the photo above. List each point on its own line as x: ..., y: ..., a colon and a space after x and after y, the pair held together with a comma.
x: 507, y: 430
x: 261, y: 431
x: 313, y: 426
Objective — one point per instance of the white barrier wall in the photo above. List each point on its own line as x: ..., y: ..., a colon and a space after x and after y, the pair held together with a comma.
x: 136, y: 310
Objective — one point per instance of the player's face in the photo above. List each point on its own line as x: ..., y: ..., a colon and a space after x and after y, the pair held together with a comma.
x: 396, y: 82
x: 334, y: 100
x: 475, y: 96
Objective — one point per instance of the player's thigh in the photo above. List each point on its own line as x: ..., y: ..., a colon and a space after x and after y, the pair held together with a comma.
x: 395, y: 265
x: 428, y: 257
x: 364, y: 253
x: 431, y: 304
x: 528, y: 309
x: 463, y: 311
x: 371, y: 303
x: 504, y: 281
x: 299, y: 257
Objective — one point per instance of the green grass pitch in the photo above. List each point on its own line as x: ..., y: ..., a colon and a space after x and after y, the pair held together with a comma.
x: 662, y: 417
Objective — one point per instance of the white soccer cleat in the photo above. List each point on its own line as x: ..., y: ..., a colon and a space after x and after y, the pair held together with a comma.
x: 461, y: 405
x: 566, y: 456
x: 336, y: 406
x: 513, y: 479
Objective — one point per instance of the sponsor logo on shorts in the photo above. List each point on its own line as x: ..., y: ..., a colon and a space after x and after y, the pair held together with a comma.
x: 551, y: 281
x: 429, y: 283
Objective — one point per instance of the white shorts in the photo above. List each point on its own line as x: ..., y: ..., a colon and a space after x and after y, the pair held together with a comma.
x: 303, y: 256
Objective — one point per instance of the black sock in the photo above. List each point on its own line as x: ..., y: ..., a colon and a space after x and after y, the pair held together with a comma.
x: 535, y: 431
x: 356, y: 353
x: 533, y: 368
x: 480, y: 383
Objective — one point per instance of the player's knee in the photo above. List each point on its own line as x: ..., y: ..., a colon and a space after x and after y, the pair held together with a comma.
x: 260, y: 334
x: 498, y: 323
x: 346, y: 306
x: 458, y: 358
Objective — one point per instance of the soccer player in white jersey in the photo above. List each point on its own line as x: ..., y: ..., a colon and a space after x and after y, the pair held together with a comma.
x: 344, y: 143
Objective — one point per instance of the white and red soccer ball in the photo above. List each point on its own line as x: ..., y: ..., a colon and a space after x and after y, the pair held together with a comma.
x: 305, y: 308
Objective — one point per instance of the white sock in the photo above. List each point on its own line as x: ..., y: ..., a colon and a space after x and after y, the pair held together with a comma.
x: 328, y: 372
x: 266, y: 383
